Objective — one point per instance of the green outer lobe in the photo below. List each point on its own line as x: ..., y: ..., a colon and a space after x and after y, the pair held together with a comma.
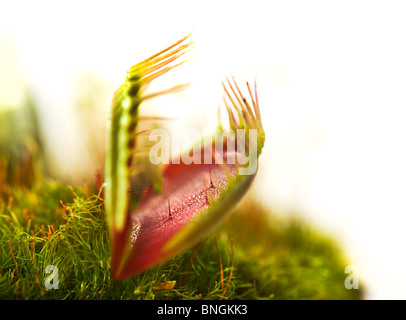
x: 121, y: 128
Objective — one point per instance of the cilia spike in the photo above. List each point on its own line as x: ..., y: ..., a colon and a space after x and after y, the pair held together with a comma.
x: 185, y: 200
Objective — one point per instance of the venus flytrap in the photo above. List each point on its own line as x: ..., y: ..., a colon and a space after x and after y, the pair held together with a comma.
x: 190, y: 197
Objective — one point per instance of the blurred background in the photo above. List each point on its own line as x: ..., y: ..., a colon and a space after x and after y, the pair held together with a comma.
x: 331, y: 84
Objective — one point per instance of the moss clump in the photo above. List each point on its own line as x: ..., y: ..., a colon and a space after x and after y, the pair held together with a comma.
x: 253, y: 255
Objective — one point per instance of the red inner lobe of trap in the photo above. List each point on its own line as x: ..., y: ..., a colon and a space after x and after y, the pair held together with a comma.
x: 187, y: 191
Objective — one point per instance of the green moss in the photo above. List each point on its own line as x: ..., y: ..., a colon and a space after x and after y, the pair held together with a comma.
x: 51, y: 224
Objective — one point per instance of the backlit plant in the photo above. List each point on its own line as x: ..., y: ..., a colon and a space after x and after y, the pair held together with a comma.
x: 186, y: 199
